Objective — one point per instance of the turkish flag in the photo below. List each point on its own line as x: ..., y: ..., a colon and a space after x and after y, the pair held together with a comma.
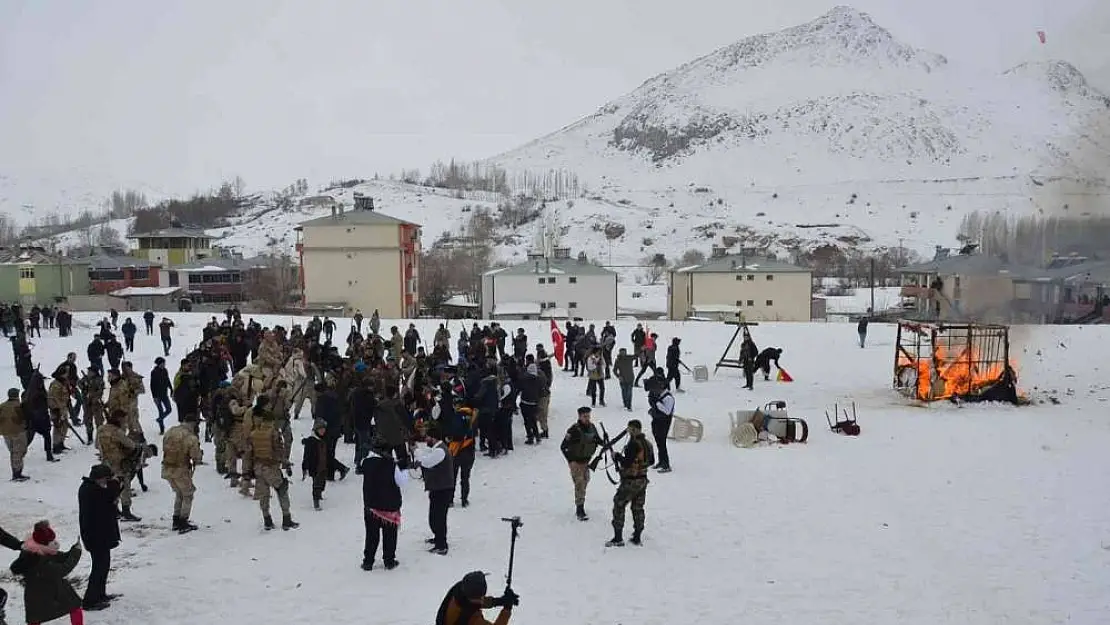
x: 783, y: 376
x: 1041, y: 35
x: 558, y: 341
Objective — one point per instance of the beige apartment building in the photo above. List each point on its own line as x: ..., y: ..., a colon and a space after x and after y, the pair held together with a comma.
x: 728, y: 286
x: 361, y: 259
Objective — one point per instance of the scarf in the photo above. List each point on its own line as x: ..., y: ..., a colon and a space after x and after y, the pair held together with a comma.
x: 392, y: 517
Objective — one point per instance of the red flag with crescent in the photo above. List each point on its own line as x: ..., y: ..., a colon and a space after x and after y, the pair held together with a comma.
x: 558, y: 340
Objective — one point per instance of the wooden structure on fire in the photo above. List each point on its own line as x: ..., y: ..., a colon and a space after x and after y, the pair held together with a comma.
x: 961, y: 361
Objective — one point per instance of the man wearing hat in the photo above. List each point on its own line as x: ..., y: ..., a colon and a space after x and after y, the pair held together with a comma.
x: 96, y: 500
x: 314, y: 461
x: 633, y: 463
x: 578, y: 448
x: 467, y: 598
x: 13, y: 427
x: 180, y: 456
x: 266, y: 460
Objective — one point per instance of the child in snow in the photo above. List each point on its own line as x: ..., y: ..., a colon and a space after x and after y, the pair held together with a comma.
x: 47, y: 595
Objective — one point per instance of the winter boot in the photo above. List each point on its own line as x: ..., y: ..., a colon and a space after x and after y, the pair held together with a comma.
x: 315, y: 503
x: 268, y: 523
x: 186, y: 526
x: 17, y: 476
x: 288, y: 524
x: 58, y: 449
x: 367, y: 565
x: 636, y: 538
x: 466, y: 503
x: 176, y: 524
x: 391, y: 564
x: 126, y: 515
x: 617, y: 541
x: 580, y: 512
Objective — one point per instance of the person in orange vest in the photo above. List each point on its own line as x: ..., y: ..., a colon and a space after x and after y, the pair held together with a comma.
x: 460, y: 428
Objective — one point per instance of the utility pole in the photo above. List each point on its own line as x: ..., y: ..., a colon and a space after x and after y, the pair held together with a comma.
x: 872, y: 285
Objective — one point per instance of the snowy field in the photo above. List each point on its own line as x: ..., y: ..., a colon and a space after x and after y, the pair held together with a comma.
x: 980, y: 514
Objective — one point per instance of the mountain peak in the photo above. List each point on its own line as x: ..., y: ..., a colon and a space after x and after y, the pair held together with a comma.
x: 1060, y: 76
x: 844, y: 36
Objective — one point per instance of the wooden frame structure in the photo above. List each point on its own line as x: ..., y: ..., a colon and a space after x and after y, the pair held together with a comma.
x: 741, y: 329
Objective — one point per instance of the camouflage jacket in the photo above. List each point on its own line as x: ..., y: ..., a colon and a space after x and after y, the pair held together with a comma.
x: 57, y: 396
x: 92, y: 390
x: 180, y: 448
x: 119, y: 397
x: 116, y: 448
x: 12, y: 422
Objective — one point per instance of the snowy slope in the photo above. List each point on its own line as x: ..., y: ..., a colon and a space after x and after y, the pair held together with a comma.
x: 934, y: 516
x: 783, y: 129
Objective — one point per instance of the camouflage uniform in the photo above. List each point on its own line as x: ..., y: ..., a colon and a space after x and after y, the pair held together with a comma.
x: 118, y: 451
x: 578, y: 447
x: 57, y: 400
x: 280, y: 403
x: 270, y: 355
x: 92, y: 390
x: 135, y: 388
x: 638, y: 455
x: 218, y: 423
x: 180, y: 456
x: 119, y: 397
x: 13, y: 427
x: 237, y: 447
x: 266, y: 455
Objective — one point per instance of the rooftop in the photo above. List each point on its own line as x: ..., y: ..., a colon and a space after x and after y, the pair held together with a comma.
x: 552, y: 266
x: 355, y: 218
x: 145, y: 291
x: 34, y: 256
x: 226, y: 264
x: 173, y: 233
x: 743, y: 264
x: 974, y: 265
x: 108, y: 261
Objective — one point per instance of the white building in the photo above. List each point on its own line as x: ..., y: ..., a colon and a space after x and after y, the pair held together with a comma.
x: 756, y: 289
x: 554, y: 287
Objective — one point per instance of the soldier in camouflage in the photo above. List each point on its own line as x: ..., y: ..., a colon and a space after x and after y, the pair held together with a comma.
x: 119, y: 452
x: 633, y: 462
x: 280, y: 403
x: 92, y: 392
x: 13, y: 428
x: 180, y: 456
x: 135, y: 388
x: 238, y: 458
x: 266, y: 455
x: 220, y: 423
x: 57, y: 400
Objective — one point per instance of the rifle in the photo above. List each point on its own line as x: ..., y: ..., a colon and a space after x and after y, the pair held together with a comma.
x: 606, y: 448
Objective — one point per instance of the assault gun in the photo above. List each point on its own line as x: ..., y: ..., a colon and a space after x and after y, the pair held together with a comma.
x: 606, y: 446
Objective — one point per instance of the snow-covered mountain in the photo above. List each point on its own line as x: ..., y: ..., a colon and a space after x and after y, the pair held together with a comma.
x: 836, y: 122
x: 832, y: 132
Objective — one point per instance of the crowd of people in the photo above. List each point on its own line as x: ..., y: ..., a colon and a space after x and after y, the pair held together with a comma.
x: 411, y: 408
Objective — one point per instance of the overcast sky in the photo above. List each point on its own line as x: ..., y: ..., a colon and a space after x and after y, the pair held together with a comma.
x: 184, y: 93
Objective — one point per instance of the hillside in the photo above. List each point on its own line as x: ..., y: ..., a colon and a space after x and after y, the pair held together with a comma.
x: 836, y: 122
x: 830, y: 132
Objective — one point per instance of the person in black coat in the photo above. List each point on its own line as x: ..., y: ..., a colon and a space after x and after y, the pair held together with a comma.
x: 47, y: 594
x: 438, y: 469
x: 160, y: 389
x: 37, y: 413
x: 314, y: 461
x: 765, y: 358
x: 95, y: 352
x: 674, y: 360
x: 96, y: 501
x: 327, y: 409
x: 148, y: 321
x: 129, y: 331
x: 382, y: 480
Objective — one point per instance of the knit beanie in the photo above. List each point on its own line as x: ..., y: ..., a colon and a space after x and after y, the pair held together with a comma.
x: 43, y: 533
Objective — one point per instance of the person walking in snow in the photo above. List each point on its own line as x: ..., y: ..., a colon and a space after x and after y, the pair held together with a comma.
x: 624, y: 367
x: 382, y: 481
x: 595, y: 370
x: 661, y: 409
x: 148, y: 321
x: 674, y: 361
x: 633, y: 463
x: 861, y: 328
x: 578, y: 447
x: 129, y: 331
x: 438, y: 469
x: 13, y: 429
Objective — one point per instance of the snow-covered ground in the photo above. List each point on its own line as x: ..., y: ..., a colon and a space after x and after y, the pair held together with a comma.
x: 859, y: 300
x: 980, y: 514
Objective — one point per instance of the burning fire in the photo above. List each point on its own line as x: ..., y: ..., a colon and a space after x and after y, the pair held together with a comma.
x: 952, y: 373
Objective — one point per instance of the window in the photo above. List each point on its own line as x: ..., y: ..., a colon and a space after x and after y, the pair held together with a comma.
x: 739, y: 277
x: 551, y: 280
x: 956, y: 288
x: 106, y: 274
x: 770, y: 302
x: 543, y: 305
x: 541, y: 280
x: 751, y: 302
x: 739, y: 303
x: 572, y: 280
x: 140, y: 274
x: 572, y: 304
x: 750, y: 277
x: 26, y: 273
x: 770, y: 277
x: 174, y: 279
x: 551, y: 304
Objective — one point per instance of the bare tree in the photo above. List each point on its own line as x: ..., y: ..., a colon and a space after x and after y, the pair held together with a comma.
x: 274, y: 283
x: 691, y: 257
x: 108, y: 237
x: 655, y: 265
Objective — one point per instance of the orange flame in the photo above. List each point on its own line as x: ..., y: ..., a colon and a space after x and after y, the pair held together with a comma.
x: 946, y: 375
